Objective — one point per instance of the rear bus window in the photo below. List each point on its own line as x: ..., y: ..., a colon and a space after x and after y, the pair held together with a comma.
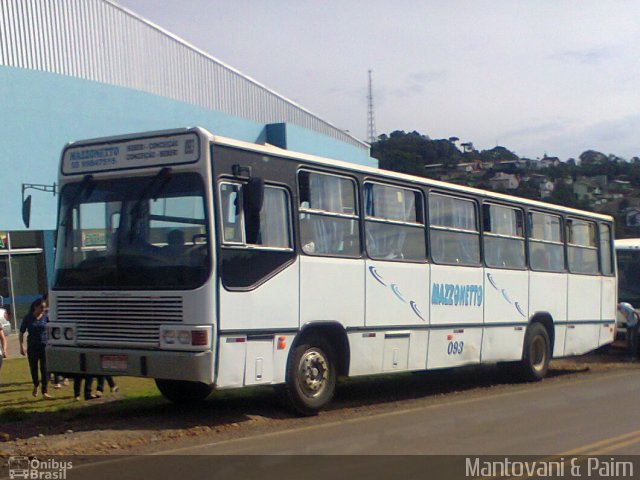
x: 454, y: 230
x: 606, y: 264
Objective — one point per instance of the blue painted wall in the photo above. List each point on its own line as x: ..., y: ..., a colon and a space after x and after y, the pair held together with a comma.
x: 40, y: 112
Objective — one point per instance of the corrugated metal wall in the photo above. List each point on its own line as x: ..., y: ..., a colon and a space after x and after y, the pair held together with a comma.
x: 99, y: 40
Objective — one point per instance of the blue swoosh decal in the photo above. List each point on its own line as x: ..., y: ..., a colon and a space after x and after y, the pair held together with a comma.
x: 375, y: 274
x: 490, y: 278
x: 504, y: 294
x: 519, y: 308
x: 414, y: 307
x: 394, y: 289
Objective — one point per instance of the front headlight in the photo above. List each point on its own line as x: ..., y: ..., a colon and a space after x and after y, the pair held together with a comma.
x: 169, y: 337
x: 56, y: 333
x: 69, y: 334
x: 184, y: 337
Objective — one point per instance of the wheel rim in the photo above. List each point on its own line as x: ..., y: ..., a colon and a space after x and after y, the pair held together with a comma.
x: 538, y: 353
x: 313, y: 373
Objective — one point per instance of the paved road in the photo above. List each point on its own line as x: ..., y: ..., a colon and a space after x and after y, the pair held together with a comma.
x: 585, y: 415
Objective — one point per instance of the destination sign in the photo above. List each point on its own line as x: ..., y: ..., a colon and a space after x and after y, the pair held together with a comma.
x: 136, y: 153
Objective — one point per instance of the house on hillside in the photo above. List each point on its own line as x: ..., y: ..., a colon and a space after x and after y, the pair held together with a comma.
x: 547, y: 162
x: 546, y: 188
x: 504, y: 181
x: 632, y: 217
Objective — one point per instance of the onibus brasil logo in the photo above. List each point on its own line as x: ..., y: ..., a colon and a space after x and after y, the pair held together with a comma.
x: 35, y: 469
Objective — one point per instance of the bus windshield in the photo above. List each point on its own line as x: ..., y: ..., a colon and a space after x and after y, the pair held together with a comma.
x: 628, y: 276
x: 133, y: 233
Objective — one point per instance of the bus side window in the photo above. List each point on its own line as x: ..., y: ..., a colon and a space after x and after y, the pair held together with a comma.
x: 503, y: 236
x: 394, y: 224
x: 270, y: 228
x: 582, y: 247
x: 328, y: 215
x: 606, y: 265
x: 546, y: 246
x: 454, y: 230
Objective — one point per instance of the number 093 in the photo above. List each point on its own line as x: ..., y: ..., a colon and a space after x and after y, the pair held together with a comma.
x: 455, y: 348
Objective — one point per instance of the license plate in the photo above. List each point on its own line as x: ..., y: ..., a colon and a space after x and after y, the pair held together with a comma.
x: 115, y: 363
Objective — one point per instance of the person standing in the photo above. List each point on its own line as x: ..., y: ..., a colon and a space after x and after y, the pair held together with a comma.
x: 3, y: 346
x: 35, y: 324
x: 631, y: 317
x: 77, y: 386
x: 112, y: 384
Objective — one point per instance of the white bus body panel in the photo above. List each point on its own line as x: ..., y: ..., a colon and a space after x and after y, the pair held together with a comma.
x: 272, y: 305
x: 457, y: 299
x: 397, y: 294
x: 331, y: 290
x: 582, y: 337
x: 506, y: 302
x: 608, y: 309
x: 548, y: 293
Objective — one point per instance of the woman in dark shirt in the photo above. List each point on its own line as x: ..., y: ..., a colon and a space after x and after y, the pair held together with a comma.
x: 35, y: 323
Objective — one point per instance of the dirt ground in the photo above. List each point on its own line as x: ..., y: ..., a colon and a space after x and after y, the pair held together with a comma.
x: 97, y: 429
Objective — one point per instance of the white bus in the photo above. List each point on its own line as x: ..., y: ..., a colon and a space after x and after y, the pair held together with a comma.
x: 205, y: 262
x: 628, y: 258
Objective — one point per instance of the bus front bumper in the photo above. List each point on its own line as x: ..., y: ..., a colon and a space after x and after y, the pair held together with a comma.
x: 170, y: 365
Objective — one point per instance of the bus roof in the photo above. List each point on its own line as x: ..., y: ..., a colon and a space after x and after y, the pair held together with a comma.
x: 273, y: 150
x: 627, y: 244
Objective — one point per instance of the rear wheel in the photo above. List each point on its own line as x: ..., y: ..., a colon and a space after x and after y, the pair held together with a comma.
x: 181, y: 391
x: 536, y: 354
x: 311, y: 375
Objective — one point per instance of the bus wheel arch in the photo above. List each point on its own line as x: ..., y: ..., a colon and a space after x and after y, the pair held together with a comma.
x: 316, y: 359
x: 546, y: 320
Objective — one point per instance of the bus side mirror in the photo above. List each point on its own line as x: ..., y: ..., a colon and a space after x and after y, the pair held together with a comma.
x: 253, y: 198
x: 254, y: 195
x: 26, y: 211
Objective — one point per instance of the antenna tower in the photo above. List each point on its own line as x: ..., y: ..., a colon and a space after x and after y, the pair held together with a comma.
x: 371, y: 130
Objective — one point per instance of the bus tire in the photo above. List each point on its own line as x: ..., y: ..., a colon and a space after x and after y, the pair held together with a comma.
x: 311, y: 376
x: 536, y: 354
x: 182, y: 391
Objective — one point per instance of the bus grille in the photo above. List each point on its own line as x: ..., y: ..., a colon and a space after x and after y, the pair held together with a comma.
x: 118, y: 321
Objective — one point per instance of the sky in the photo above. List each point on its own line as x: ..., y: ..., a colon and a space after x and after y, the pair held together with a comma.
x: 537, y: 77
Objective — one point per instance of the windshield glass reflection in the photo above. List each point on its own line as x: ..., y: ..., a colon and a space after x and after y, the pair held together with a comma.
x: 133, y: 233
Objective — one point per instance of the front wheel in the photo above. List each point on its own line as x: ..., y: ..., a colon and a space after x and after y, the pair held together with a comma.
x: 311, y: 376
x: 181, y: 391
x: 536, y: 354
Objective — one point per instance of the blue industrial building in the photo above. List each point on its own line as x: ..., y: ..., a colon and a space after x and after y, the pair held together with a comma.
x: 75, y: 69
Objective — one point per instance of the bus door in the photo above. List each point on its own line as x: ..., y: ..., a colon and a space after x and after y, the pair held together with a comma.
x: 457, y: 286
x: 608, y: 304
x: 259, y: 277
x: 548, y: 277
x: 506, y: 283
x: 584, y: 289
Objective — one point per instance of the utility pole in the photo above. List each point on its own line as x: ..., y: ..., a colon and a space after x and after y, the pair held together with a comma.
x: 371, y: 130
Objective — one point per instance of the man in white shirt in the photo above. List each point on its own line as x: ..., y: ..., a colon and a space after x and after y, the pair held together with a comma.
x: 3, y: 346
x: 631, y: 317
